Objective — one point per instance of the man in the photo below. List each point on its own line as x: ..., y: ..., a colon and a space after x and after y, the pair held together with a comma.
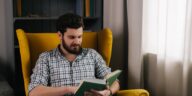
x: 58, y: 72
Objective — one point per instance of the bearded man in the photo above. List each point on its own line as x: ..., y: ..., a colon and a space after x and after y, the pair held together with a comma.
x: 58, y: 72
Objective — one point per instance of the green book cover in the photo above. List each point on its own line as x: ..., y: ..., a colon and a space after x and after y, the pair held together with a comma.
x: 97, y: 84
x: 110, y: 78
x: 86, y: 85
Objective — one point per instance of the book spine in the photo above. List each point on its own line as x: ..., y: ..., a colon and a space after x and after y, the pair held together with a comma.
x: 19, y: 12
x: 87, y: 8
x: 92, y: 8
x: 79, y: 7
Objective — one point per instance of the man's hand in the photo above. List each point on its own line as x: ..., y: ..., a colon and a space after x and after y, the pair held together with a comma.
x: 92, y: 92
x: 72, y: 89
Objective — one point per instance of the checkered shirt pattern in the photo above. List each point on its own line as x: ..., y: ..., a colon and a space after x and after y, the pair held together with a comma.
x: 53, y: 69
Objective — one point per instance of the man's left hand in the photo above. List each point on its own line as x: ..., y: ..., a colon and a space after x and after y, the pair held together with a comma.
x: 105, y: 92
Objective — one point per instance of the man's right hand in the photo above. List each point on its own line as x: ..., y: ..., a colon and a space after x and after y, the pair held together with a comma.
x: 41, y: 90
x: 72, y: 89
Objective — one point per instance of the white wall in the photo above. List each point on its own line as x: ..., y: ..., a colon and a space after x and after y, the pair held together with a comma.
x: 3, y: 51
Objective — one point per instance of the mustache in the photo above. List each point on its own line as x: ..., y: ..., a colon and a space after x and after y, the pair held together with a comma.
x: 76, y: 45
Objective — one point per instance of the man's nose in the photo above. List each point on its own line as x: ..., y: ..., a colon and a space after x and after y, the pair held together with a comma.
x: 77, y: 41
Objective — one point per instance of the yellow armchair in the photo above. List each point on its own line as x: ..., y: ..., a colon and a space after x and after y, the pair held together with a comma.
x: 32, y: 44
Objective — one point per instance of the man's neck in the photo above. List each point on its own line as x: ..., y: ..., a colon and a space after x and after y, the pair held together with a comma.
x: 66, y: 54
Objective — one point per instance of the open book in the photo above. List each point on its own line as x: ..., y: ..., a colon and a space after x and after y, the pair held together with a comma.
x: 97, y: 84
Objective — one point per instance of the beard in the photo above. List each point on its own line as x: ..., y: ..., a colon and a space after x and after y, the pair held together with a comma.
x: 73, y: 49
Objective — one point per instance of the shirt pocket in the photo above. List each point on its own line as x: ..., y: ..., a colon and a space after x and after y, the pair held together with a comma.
x: 59, y: 72
x: 85, y: 70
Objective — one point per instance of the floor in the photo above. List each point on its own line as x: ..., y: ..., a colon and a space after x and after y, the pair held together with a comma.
x: 5, y: 89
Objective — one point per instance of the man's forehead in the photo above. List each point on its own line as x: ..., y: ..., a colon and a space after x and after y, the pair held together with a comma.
x: 74, y: 32
x: 74, y: 29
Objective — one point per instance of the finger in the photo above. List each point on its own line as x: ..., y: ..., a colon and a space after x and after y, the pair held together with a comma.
x: 87, y: 93
x: 95, y: 92
x: 107, y: 87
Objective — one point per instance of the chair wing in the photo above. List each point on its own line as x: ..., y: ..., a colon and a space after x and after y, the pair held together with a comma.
x: 105, y: 42
x: 25, y: 57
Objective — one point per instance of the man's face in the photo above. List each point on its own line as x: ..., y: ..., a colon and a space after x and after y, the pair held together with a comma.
x: 72, y: 40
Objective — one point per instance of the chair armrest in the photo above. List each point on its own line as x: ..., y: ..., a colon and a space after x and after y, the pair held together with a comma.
x: 133, y: 92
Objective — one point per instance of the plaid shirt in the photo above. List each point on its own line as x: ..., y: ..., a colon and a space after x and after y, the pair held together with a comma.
x: 53, y: 69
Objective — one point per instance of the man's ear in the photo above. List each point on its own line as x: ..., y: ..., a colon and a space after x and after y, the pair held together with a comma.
x: 60, y: 35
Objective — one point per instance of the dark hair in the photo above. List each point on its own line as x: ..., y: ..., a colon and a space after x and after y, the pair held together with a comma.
x: 69, y: 20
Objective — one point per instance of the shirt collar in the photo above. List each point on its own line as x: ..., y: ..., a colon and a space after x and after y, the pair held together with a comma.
x: 79, y: 56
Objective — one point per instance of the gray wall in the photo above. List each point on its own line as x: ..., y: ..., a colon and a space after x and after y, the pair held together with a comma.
x: 6, y: 40
x: 113, y: 17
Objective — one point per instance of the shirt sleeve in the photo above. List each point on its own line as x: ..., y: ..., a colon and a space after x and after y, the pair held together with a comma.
x: 40, y: 72
x: 101, y: 68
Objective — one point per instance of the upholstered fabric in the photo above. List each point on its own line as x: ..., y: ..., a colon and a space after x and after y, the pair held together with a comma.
x: 32, y: 44
x: 25, y: 57
x: 133, y: 92
x: 105, y: 41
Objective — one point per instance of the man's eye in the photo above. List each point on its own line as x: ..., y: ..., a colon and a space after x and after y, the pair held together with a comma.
x: 71, y: 37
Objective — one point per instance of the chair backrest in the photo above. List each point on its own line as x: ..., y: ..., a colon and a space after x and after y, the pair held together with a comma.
x: 32, y: 44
